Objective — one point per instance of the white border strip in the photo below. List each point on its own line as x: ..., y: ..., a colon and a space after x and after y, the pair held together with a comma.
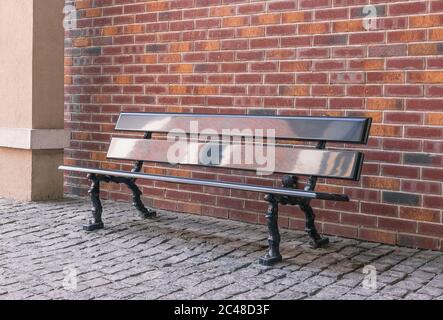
x: 34, y: 139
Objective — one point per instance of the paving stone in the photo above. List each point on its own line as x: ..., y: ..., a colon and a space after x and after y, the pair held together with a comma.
x: 437, y: 283
x: 394, y: 291
x: 417, y: 296
x: 331, y: 292
x: 352, y: 296
x: 380, y: 296
x: 408, y: 285
x: 431, y: 291
x: 179, y: 256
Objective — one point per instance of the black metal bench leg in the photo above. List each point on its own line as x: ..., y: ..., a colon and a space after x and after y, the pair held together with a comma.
x: 96, y: 223
x: 273, y: 256
x: 137, y: 202
x: 317, y: 241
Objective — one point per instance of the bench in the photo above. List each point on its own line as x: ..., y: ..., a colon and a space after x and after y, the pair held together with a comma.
x: 218, y: 140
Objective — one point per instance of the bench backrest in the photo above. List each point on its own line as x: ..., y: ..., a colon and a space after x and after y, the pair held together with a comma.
x: 340, y: 164
x: 329, y: 129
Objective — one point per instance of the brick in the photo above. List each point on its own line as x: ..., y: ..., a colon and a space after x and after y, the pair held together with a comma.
x: 311, y: 78
x: 417, y: 241
x: 401, y: 198
x: 366, y: 64
x: 331, y: 14
x: 345, y: 231
x: 425, y: 49
x: 81, y: 42
x: 418, y: 158
x: 435, y: 63
x: 270, y: 18
x: 435, y: 202
x: 222, y: 11
x: 407, y: 36
x: 404, y: 117
x: 425, y: 77
x: 391, y: 50
x: 403, y: 90
x: 328, y: 90
x: 352, y: 52
x: 433, y: 91
x: 397, y: 225
x: 424, y: 132
x: 384, y: 104
x: 436, y: 34
x: 420, y: 214
x: 346, y: 103
x: 313, y: 28
x: 358, y: 220
x: 425, y: 104
x: 157, y: 6
x: 376, y: 235
x: 421, y: 187
x: 180, y: 47
x: 366, y: 38
x: 434, y: 119
x: 348, y: 26
x: 292, y: 17
x: 436, y: 6
x: 401, y: 172
x: 381, y: 183
x: 331, y: 65
x: 425, y: 21
x: 280, y: 30
x: 364, y: 90
x: 386, y: 77
x: 311, y: 4
x: 281, y: 5
x: 235, y: 21
x: 330, y: 40
x: 124, y: 79
x: 431, y: 229
x: 405, y: 63
x: 294, y: 90
x: 414, y: 7
x: 251, y: 32
x: 312, y: 53
x: 296, y: 66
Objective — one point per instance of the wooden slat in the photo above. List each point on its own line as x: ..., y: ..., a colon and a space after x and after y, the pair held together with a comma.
x: 288, y: 160
x: 348, y: 130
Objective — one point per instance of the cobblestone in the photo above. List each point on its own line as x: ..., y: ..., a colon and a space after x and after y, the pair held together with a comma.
x: 45, y: 254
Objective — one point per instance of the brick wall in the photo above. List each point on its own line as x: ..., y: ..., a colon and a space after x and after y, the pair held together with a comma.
x: 305, y: 57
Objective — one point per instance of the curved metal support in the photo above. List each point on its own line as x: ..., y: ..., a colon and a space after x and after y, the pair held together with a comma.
x: 290, y: 182
x: 136, y: 194
x: 96, y: 223
x: 317, y: 241
x: 97, y: 210
x: 136, y: 200
x: 273, y: 256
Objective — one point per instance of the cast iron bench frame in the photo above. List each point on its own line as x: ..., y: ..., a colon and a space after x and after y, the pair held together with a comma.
x: 349, y: 130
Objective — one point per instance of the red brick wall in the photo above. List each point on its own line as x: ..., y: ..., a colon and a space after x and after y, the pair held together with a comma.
x: 305, y: 57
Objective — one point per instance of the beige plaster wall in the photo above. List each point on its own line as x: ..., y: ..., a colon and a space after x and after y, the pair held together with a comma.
x: 16, y: 41
x: 48, y: 55
x: 16, y: 174
x: 31, y: 91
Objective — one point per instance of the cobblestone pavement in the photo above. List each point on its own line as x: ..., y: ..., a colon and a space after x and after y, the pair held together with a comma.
x: 44, y: 254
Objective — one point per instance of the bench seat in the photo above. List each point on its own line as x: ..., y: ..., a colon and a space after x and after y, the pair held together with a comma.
x: 218, y: 140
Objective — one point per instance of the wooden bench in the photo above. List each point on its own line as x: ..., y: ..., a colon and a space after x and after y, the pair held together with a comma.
x: 291, y: 161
